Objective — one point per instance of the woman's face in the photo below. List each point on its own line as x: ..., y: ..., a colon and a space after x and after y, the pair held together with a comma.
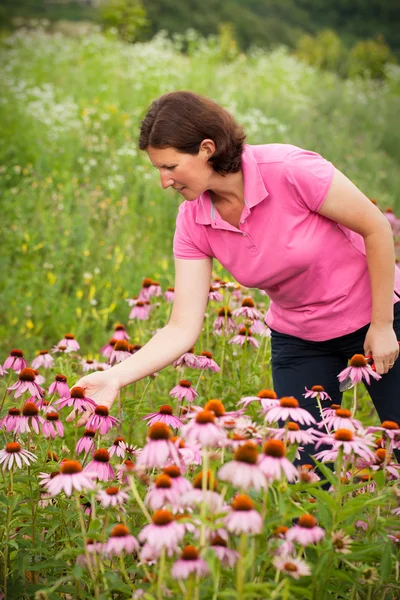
x: 188, y: 174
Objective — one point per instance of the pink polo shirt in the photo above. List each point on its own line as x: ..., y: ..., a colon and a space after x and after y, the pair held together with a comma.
x: 313, y: 269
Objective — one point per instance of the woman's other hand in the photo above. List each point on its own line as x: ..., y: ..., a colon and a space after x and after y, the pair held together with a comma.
x: 102, y: 387
x: 382, y: 343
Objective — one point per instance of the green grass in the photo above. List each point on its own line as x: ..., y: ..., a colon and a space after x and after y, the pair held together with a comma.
x: 84, y: 218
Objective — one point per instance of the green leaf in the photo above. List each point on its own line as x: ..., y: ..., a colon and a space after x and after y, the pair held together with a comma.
x: 386, y: 563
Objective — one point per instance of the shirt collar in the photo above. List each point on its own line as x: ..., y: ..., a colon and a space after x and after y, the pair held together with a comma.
x: 254, y: 189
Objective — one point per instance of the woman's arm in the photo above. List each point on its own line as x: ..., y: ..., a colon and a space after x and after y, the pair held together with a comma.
x: 347, y: 205
x: 192, y: 284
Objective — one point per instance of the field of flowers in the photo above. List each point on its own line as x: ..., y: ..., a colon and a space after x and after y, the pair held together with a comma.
x: 188, y: 487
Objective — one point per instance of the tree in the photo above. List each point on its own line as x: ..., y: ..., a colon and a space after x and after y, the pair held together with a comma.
x: 127, y: 16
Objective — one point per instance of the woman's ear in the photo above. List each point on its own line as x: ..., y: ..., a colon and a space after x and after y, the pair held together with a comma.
x: 207, y: 147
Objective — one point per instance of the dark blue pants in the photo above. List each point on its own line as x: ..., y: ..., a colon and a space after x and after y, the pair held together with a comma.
x: 298, y: 363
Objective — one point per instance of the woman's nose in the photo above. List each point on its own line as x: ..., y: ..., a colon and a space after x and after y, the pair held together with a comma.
x: 166, y: 180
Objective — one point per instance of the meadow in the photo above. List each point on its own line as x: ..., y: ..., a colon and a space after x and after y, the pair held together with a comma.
x: 84, y: 222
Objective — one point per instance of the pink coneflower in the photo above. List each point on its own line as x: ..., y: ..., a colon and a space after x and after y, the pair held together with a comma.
x: 86, y: 442
x: 159, y: 450
x: 100, y: 467
x: 243, y: 518
x: 112, y: 496
x: 108, y: 348
x: 206, y: 362
x: 307, y: 474
x: 15, y: 361
x: 120, y: 352
x: 141, y: 310
x: 358, y: 370
x: 215, y: 295
x: 267, y: 399
x: 288, y: 409
x: 306, y: 531
x: 391, y: 430
x: 10, y: 422
x: 71, y: 477
x: 43, y: 359
x: 214, y: 501
x: 70, y: 342
x: 45, y: 478
x: 126, y: 470
x: 382, y: 459
x: 52, y: 426
x: 203, y: 430
x: 342, y: 419
x: 120, y: 540
x: 258, y: 327
x: 164, y: 415
x: 341, y: 542
x: 317, y: 391
x: 189, y: 454
x: 184, y: 391
x: 89, y: 365
x: 243, y: 472
x: 274, y: 463
x: 120, y: 332
x: 14, y: 454
x: 244, y: 336
x: 346, y: 439
x: 30, y: 418
x: 101, y: 420
x: 39, y: 379
x: 26, y: 383
x: 225, y: 555
x: 188, y: 359
x: 330, y: 411
x: 293, y: 567
x: 77, y: 399
x: 293, y: 434
x: 248, y: 310
x: 189, y: 563
x: 169, y: 294
x: 180, y: 484
x: 224, y: 322
x: 163, y: 532
x: 118, y: 447
x: 149, y: 289
x: 161, y: 493
x: 59, y: 386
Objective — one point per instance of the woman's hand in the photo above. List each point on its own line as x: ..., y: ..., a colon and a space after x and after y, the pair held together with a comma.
x: 102, y: 387
x: 382, y: 343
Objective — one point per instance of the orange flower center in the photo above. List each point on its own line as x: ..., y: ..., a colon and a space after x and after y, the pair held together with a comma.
x: 216, y: 406
x: 288, y: 402
x: 163, y: 482
x: 275, y: 448
x: 317, y: 388
x: 172, y: 471
x: 102, y: 455
x: 211, y: 484
x: 101, y: 410
x: 61, y: 378
x: 307, y: 521
x: 189, y: 553
x: 242, y: 502
x: 280, y: 530
x: 17, y: 353
x: 13, y: 447
x: 112, y: 491
x: 89, y: 433
x: 69, y: 467
x: 121, y: 345
x: 290, y: 567
x: 206, y: 354
x: 27, y: 375
x: 69, y: 336
x: 184, y: 383
x: 247, y: 453
x: 77, y: 392
x: 293, y: 426
x: 270, y: 394
x: 52, y: 416
x: 159, y: 431
x: 344, y: 435
x: 249, y: 302
x: 162, y: 517
x: 205, y: 416
x: 30, y: 409
x: 119, y: 531
x: 390, y: 425
x: 358, y: 360
x: 225, y: 311
x: 343, y: 412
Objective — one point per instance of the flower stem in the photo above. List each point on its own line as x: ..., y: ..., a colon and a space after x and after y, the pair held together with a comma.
x: 203, y: 507
x: 354, y: 407
x: 321, y: 413
x: 244, y: 348
x: 138, y: 498
x: 125, y: 573
x: 87, y: 554
x: 189, y: 588
x: 240, y: 568
x: 161, y: 575
x: 7, y: 529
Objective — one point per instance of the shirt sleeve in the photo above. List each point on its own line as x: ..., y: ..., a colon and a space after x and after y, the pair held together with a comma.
x: 184, y: 246
x: 310, y: 176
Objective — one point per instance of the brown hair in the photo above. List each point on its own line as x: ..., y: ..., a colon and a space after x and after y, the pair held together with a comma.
x: 182, y: 120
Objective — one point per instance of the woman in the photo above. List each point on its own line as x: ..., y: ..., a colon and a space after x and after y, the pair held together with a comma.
x: 281, y: 219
